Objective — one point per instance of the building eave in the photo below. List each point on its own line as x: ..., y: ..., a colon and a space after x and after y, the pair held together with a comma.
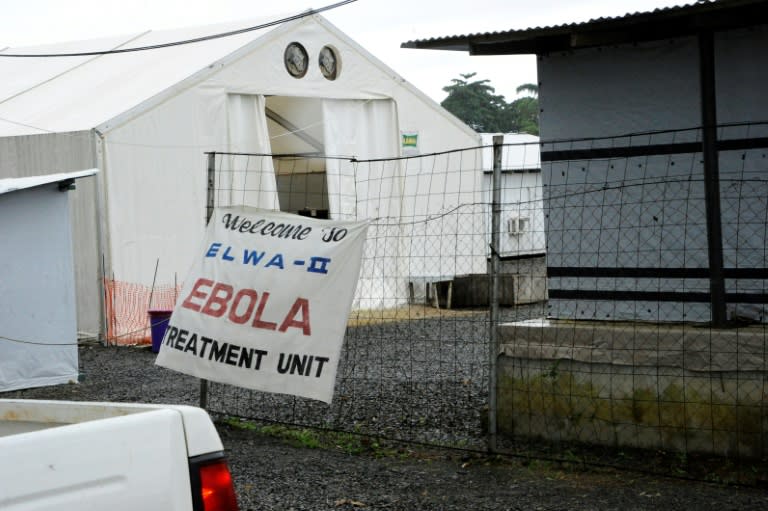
x: 660, y: 24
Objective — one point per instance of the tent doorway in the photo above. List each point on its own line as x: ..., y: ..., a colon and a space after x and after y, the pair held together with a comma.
x: 312, y: 142
x: 295, y: 127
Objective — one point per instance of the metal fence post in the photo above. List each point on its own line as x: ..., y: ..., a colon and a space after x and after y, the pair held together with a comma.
x: 712, y: 179
x: 209, y: 205
x: 498, y: 141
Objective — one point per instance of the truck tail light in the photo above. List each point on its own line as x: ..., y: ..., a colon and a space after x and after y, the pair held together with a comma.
x: 212, y: 487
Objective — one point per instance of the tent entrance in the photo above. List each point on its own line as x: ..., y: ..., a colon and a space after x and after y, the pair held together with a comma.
x: 303, y: 150
x: 295, y: 127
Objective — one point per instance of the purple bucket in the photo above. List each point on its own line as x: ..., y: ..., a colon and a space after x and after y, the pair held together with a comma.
x: 158, y: 320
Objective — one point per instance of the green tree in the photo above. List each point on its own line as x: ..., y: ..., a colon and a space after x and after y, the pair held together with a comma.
x: 524, y: 111
x: 530, y: 88
x: 477, y: 104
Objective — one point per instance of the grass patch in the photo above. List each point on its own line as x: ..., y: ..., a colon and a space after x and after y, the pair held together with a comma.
x: 349, y: 443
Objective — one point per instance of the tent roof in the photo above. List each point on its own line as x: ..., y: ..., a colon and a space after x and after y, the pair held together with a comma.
x: 63, y: 94
x: 22, y: 183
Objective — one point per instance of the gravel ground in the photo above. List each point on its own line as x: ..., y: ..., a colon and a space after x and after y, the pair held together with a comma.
x: 422, y: 379
x: 271, y: 474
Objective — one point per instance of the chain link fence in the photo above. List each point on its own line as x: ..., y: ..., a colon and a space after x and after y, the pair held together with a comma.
x: 559, y: 307
x: 415, y: 364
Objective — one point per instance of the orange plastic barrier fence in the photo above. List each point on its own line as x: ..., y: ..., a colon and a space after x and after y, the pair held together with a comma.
x: 128, y: 307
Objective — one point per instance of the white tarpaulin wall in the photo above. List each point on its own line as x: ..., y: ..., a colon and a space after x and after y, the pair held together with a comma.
x: 343, y: 137
x: 371, y: 191
x: 255, y: 184
x: 444, y: 217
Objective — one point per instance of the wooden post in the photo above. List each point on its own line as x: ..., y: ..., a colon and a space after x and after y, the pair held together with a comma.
x: 493, y: 354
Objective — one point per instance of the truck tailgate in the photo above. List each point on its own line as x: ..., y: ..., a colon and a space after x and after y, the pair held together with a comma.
x: 129, y: 462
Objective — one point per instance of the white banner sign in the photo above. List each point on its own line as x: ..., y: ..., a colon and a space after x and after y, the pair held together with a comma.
x: 265, y: 306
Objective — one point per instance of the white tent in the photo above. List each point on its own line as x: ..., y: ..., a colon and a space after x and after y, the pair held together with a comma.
x: 38, y: 327
x: 145, y: 119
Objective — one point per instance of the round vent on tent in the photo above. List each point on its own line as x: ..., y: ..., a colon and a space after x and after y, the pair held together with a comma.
x: 329, y: 63
x: 296, y: 60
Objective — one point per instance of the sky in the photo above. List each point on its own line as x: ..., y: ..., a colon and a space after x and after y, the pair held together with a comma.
x: 380, y: 26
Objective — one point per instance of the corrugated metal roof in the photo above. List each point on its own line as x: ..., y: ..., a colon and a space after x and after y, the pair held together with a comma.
x: 22, y: 183
x: 549, y: 27
x: 659, y: 23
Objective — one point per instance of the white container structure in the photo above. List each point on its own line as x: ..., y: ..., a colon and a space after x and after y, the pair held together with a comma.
x: 522, y: 202
x: 38, y: 320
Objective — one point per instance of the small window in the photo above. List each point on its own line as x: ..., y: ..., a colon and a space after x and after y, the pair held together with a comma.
x: 329, y: 63
x: 296, y: 60
x: 517, y: 225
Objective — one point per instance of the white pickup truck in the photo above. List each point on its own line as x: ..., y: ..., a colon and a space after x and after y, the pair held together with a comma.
x: 61, y: 455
